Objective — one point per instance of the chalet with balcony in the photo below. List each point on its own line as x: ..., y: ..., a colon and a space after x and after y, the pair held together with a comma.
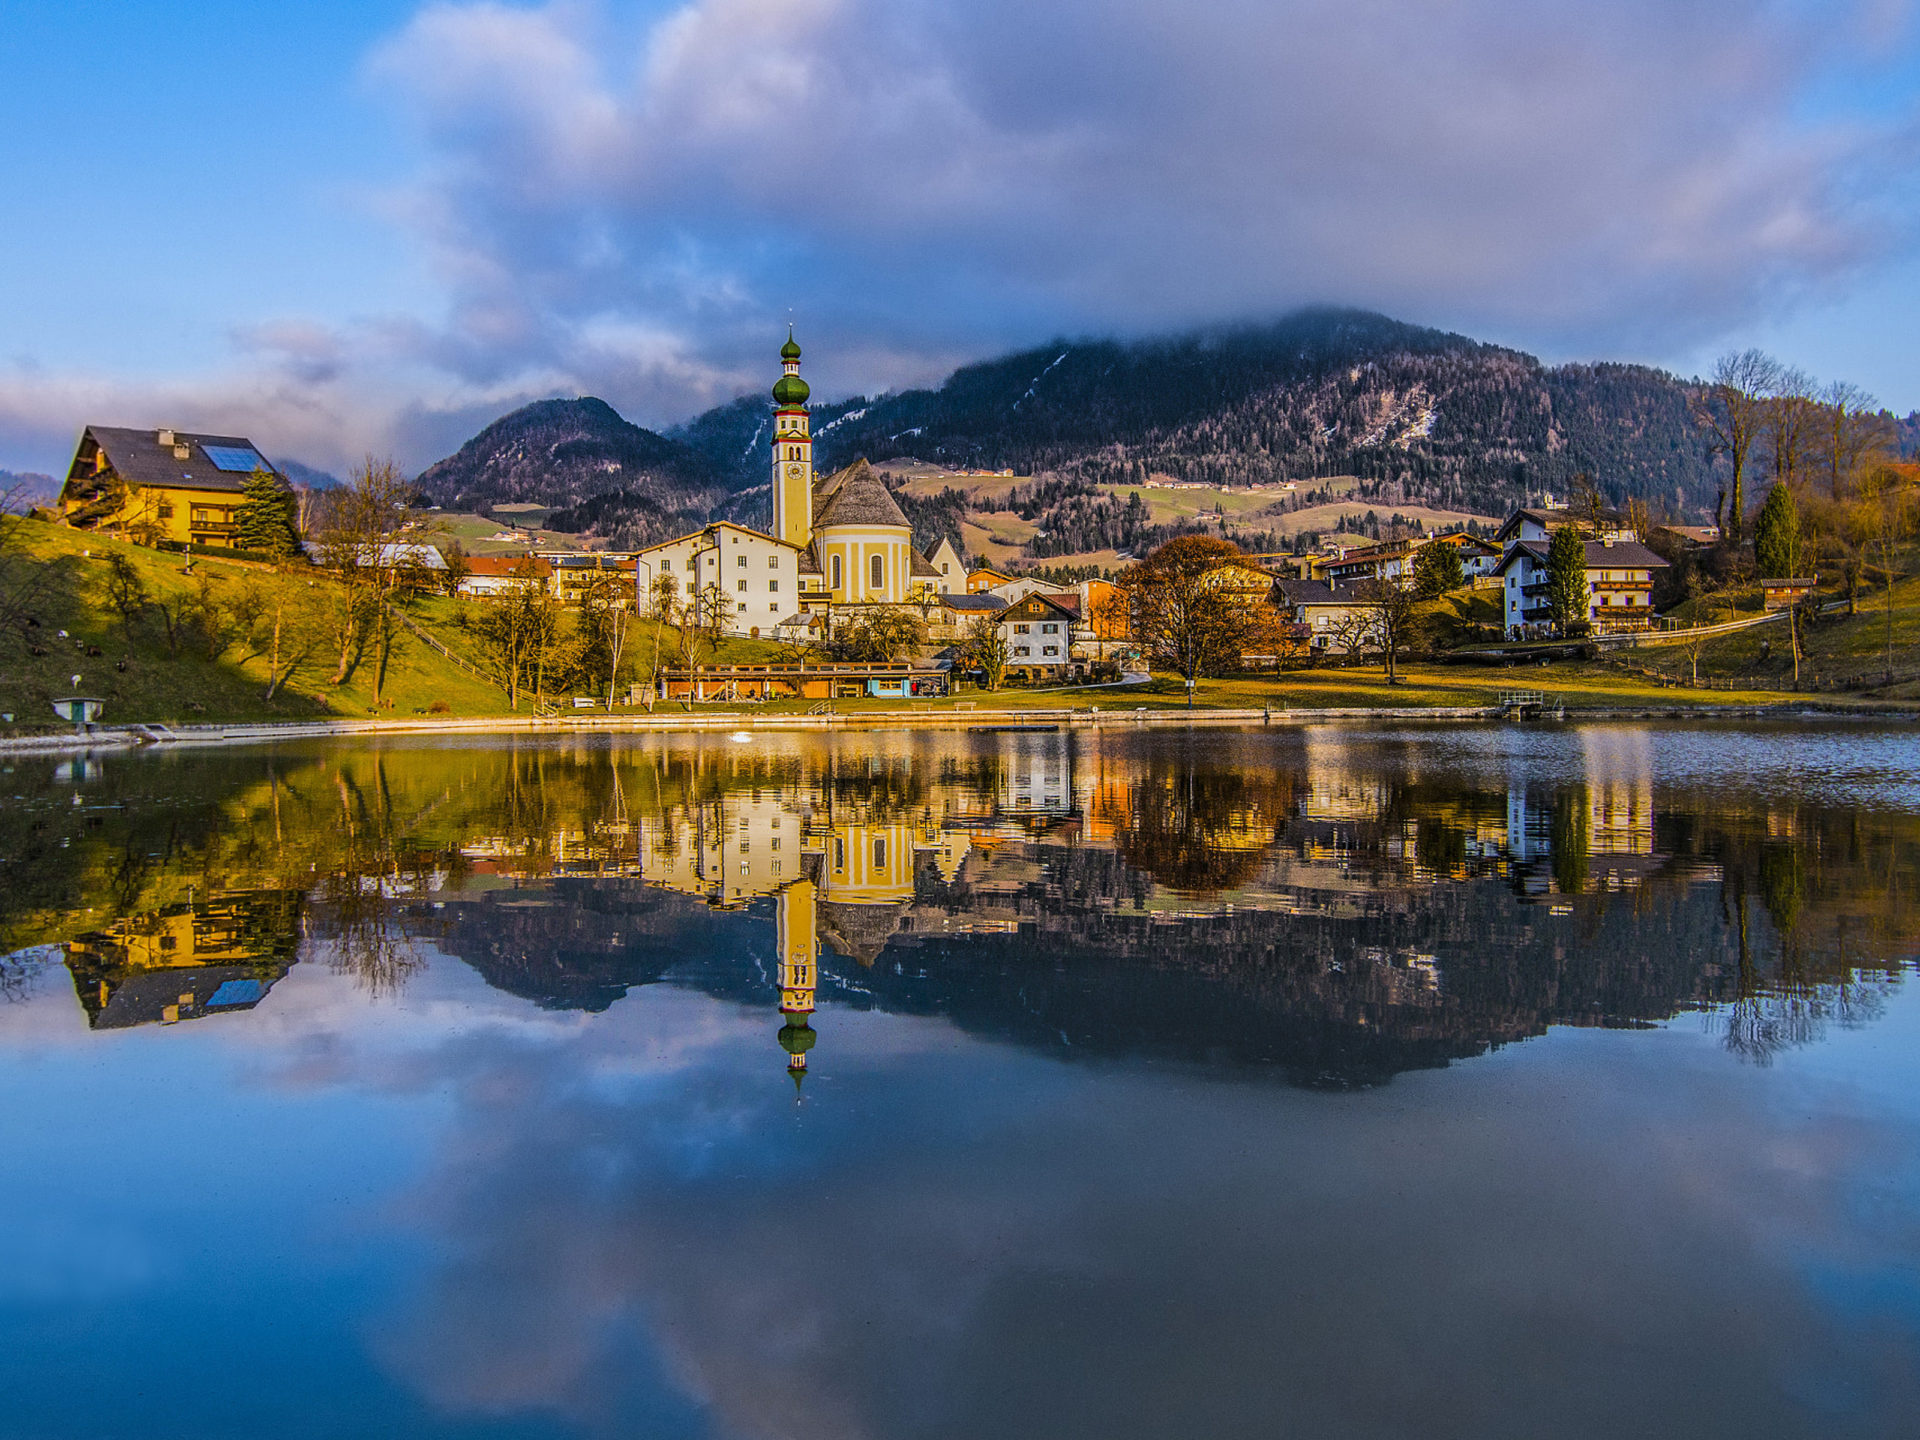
x: 160, y: 485
x: 1619, y: 578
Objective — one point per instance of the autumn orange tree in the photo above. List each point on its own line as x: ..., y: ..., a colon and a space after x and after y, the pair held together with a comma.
x: 1186, y: 615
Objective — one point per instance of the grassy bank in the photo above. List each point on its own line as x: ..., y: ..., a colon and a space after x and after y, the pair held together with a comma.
x: 129, y: 663
x: 143, y: 679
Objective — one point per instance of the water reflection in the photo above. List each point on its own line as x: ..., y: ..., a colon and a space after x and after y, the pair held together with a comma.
x: 1336, y: 905
x: 904, y: 1086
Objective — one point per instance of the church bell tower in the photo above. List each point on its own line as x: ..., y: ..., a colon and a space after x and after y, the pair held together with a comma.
x: 792, y: 451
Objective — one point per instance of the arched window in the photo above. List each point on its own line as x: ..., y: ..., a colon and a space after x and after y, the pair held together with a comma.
x: 833, y: 567
x: 879, y: 572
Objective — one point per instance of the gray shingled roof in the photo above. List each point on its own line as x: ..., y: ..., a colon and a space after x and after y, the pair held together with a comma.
x: 984, y: 603
x: 138, y: 458
x: 1313, y: 592
x: 855, y: 496
x: 1621, y: 555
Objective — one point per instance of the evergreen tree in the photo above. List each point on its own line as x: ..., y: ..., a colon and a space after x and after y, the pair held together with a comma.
x: 1437, y: 569
x: 1776, y: 535
x: 1567, y: 578
x: 266, y: 516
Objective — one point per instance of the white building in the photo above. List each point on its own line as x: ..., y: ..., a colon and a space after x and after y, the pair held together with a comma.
x: 837, y: 543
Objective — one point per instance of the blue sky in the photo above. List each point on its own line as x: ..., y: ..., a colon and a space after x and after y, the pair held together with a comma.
x: 372, y: 226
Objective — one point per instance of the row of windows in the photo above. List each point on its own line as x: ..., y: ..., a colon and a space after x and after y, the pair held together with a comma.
x: 1051, y: 629
x: 1028, y: 650
x: 773, y: 586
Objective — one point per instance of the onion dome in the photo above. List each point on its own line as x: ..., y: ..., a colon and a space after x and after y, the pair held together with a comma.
x: 797, y: 1039
x: 790, y: 350
x: 790, y: 390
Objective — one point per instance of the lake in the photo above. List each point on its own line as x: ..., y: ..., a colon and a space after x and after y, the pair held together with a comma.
x: 1374, y: 1081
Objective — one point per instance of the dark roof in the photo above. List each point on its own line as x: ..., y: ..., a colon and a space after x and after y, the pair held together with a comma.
x: 920, y: 565
x: 142, y: 997
x: 1313, y: 592
x: 985, y: 603
x: 1620, y: 555
x: 1045, y: 603
x: 860, y: 932
x: 1547, y: 519
x: 138, y: 458
x: 856, y: 496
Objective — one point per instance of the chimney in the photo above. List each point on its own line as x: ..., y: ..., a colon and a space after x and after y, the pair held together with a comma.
x: 166, y: 439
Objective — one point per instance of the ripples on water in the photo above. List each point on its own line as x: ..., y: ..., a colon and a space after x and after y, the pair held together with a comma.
x: 910, y: 1084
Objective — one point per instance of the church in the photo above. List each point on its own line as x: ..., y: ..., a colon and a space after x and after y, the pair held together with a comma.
x: 838, y: 543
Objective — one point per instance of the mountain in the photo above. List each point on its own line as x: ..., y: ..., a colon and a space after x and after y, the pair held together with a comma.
x: 308, y: 475
x: 27, y: 488
x: 1420, y: 416
x: 604, y: 475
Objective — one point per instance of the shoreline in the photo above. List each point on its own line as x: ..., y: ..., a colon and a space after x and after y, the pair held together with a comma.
x: 163, y: 736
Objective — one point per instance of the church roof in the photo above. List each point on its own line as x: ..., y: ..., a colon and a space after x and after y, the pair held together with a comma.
x: 859, y: 932
x: 855, y: 496
x: 921, y: 565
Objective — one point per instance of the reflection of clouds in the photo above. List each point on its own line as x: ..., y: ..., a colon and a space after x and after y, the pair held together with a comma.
x: 956, y: 1240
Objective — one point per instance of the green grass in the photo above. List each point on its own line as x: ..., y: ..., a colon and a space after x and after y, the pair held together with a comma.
x: 1421, y: 686
x: 1851, y: 653
x: 134, y: 674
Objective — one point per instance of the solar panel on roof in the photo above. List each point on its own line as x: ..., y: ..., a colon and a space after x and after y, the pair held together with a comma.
x: 236, y: 992
x: 235, y: 457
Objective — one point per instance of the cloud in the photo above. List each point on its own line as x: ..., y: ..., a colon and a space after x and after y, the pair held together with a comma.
x: 923, y: 179
x: 623, y: 201
x: 953, y: 1238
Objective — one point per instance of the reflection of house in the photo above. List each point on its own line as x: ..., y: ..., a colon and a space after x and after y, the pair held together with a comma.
x: 201, y: 958
x: 169, y: 483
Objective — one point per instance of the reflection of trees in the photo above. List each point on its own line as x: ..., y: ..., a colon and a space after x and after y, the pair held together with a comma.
x: 366, y: 893
x: 1202, y: 831
x: 1572, y: 838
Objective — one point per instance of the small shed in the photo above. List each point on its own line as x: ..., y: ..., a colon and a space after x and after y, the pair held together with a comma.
x: 1786, y: 593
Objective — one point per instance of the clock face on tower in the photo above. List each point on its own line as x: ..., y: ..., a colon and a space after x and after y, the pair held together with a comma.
x: 793, y: 472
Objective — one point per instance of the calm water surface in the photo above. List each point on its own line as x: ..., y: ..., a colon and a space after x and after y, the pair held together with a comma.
x: 1552, y: 1081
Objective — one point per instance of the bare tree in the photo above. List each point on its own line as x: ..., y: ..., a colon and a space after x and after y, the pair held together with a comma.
x: 356, y: 538
x: 1853, y: 434
x: 985, y: 649
x: 1732, y: 410
x: 1792, y: 419
x: 1885, y: 507
x: 1395, y: 620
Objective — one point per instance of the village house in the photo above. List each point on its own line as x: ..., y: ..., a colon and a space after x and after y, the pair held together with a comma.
x: 949, y: 617
x: 952, y: 569
x: 164, y: 485
x: 490, y: 576
x: 575, y: 572
x: 1479, y: 558
x: 1376, y: 562
x: 985, y: 577
x: 1328, y: 618
x: 1619, y: 581
x: 1039, y: 635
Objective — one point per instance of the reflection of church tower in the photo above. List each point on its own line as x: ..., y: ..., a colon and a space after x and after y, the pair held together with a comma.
x: 792, y: 452
x: 799, y: 973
